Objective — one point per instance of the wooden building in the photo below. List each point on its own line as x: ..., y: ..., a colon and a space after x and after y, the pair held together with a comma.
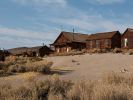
x: 127, y: 39
x: 3, y: 54
x: 68, y: 41
x: 38, y: 51
x: 105, y: 40
x: 2, y: 57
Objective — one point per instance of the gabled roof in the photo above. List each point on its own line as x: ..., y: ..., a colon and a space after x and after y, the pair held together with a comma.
x: 104, y: 35
x: 35, y: 49
x: 74, y: 37
x: 128, y: 30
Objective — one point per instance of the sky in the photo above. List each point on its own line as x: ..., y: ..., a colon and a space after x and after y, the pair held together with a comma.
x: 34, y: 22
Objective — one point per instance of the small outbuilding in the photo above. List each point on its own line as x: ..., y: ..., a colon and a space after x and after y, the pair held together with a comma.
x: 3, y: 55
x: 39, y: 51
x: 127, y: 39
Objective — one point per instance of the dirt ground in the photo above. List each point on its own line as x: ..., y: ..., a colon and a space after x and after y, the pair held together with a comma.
x: 82, y: 67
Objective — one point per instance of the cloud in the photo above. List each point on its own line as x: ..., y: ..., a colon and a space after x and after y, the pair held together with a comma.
x: 104, y: 2
x: 95, y: 23
x: 19, y: 37
x: 42, y: 2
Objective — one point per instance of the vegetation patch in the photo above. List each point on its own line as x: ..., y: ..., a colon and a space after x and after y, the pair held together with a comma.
x: 111, y: 87
x: 24, y: 64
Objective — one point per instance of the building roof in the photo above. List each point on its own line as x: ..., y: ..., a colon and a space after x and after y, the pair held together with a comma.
x: 129, y: 30
x: 104, y: 35
x: 34, y: 49
x: 73, y: 37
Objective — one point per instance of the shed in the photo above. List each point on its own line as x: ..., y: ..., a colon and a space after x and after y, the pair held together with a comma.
x: 104, y: 40
x: 127, y: 39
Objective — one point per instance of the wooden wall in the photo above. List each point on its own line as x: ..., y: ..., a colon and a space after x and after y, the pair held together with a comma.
x: 129, y: 36
x: 100, y: 44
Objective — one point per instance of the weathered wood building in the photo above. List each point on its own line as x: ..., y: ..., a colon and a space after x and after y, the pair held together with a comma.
x: 104, y: 40
x: 39, y: 51
x: 2, y: 57
x: 69, y: 41
x: 3, y: 54
x: 127, y: 39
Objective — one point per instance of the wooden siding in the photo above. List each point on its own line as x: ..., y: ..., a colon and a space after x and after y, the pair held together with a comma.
x: 61, y: 39
x: 67, y: 42
x: 116, y: 41
x: 129, y: 36
x: 99, y: 44
x: 103, y: 43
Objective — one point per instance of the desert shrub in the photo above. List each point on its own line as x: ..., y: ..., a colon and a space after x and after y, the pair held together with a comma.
x: 2, y: 65
x: 130, y: 52
x: 21, y: 65
x: 42, y: 67
x: 81, y: 91
x: 112, y: 92
x: 117, y: 50
x: 95, y: 50
x: 113, y: 78
x: 35, y: 67
x: 7, y: 92
x: 2, y: 73
x: 34, y: 59
x: 55, y: 97
x: 51, y: 87
x: 113, y: 87
x: 17, y: 68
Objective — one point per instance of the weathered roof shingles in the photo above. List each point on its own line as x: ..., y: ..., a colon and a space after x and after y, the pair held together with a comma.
x: 105, y: 35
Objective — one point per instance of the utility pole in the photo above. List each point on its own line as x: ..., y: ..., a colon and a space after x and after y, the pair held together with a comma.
x: 73, y: 33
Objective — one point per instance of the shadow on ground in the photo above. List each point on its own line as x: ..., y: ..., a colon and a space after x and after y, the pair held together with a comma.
x: 61, y: 72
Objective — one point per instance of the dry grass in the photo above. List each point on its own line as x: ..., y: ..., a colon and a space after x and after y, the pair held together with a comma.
x: 111, y: 87
x: 24, y: 64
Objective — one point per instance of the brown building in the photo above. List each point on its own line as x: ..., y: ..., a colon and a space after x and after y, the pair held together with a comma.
x: 104, y: 40
x: 127, y: 39
x: 3, y: 54
x: 68, y: 41
x: 38, y: 51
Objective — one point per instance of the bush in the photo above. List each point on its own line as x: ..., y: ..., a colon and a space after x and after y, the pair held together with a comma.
x: 2, y: 65
x: 17, y: 68
x: 116, y: 88
x: 117, y: 50
x: 130, y: 52
x: 24, y: 64
x: 42, y: 67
